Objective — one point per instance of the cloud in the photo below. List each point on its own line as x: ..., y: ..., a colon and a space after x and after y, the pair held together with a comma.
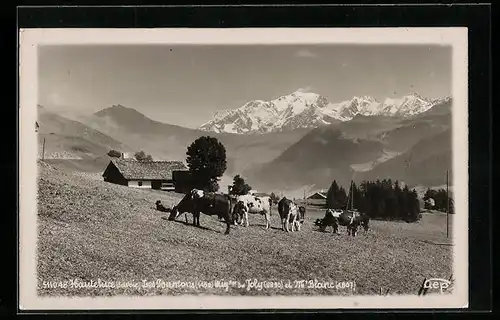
x: 304, y: 53
x: 305, y: 89
x: 343, y: 65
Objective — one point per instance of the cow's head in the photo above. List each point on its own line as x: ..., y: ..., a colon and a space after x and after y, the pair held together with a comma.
x: 185, y: 205
x: 197, y: 193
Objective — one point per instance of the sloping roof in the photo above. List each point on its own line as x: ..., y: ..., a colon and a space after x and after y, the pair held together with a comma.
x: 260, y: 194
x: 321, y: 194
x: 152, y: 170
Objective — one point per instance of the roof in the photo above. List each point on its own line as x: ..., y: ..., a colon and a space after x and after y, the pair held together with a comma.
x: 148, y: 170
x: 260, y: 194
x: 323, y: 195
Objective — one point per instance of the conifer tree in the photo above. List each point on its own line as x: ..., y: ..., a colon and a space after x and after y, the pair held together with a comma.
x: 332, y: 195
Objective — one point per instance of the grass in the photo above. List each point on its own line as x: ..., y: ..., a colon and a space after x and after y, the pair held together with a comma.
x: 90, y: 230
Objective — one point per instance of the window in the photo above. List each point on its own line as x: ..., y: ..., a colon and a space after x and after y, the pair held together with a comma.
x: 139, y: 183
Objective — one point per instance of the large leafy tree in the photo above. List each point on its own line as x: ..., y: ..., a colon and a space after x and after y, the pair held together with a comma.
x: 206, y: 159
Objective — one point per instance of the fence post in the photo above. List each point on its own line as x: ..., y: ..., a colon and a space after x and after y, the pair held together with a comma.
x: 43, y: 150
x: 421, y: 290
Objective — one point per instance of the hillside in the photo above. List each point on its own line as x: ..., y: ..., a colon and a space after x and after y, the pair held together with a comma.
x: 89, y: 230
x: 74, y: 144
x: 288, y: 159
x: 428, y: 161
x: 374, y: 146
x: 166, y: 141
x: 320, y: 156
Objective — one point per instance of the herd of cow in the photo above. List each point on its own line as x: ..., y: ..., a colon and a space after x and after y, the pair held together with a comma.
x: 235, y: 210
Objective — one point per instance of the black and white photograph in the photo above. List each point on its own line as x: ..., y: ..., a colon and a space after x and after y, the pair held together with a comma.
x: 188, y: 169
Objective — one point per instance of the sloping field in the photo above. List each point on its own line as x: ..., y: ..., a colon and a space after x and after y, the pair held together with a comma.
x: 89, y: 230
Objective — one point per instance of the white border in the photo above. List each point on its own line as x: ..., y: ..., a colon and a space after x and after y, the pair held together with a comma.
x: 29, y: 39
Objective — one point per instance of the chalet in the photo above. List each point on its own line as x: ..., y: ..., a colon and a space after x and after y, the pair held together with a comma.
x: 317, y: 196
x: 161, y: 175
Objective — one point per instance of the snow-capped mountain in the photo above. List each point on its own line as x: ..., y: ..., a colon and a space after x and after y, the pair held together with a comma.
x: 310, y: 110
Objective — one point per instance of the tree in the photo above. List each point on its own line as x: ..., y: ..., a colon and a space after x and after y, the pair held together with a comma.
x: 142, y: 156
x: 414, y: 207
x: 114, y: 153
x: 332, y: 196
x: 206, y: 159
x: 240, y: 187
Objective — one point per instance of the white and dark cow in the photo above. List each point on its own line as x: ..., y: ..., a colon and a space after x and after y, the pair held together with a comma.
x: 209, y: 203
x: 288, y: 212
x: 246, y: 204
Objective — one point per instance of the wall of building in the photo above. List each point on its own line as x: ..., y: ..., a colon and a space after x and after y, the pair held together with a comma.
x: 135, y: 184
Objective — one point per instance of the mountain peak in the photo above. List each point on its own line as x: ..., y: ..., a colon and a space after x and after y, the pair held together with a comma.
x: 301, y: 109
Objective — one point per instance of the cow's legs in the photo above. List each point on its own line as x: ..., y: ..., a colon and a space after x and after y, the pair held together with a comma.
x: 268, y: 220
x: 246, y: 218
x: 228, y: 223
x: 194, y: 218
x: 197, y: 218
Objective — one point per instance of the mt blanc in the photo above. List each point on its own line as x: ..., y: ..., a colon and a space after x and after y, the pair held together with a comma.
x: 310, y: 110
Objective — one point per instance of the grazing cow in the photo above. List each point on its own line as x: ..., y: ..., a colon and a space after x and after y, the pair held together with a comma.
x: 209, y: 203
x: 246, y: 204
x: 288, y: 212
x: 329, y: 220
x: 160, y: 207
x: 352, y: 219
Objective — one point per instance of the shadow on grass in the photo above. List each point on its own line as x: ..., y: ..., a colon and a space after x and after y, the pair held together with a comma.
x: 191, y: 224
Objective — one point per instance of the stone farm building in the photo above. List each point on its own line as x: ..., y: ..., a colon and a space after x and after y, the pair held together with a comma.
x: 161, y: 175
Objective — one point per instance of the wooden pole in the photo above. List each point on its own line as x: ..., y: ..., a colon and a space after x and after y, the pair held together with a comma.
x: 447, y: 205
x: 43, y: 150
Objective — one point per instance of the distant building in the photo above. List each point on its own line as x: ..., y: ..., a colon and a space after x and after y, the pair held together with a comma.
x: 317, y: 196
x: 161, y: 175
x: 127, y: 155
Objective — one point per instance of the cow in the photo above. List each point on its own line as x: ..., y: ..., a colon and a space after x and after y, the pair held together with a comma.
x: 351, y: 219
x: 288, y: 212
x: 210, y: 203
x: 329, y: 220
x: 246, y: 204
x: 160, y: 207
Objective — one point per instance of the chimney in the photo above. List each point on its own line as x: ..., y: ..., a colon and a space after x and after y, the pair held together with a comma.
x: 122, y: 156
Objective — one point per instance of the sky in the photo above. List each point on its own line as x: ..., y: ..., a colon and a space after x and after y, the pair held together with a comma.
x: 185, y: 85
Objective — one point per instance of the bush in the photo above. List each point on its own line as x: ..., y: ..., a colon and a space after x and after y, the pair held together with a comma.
x: 142, y: 156
x: 114, y: 154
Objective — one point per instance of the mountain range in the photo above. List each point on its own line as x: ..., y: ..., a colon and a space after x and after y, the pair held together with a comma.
x: 363, y: 145
x: 310, y: 110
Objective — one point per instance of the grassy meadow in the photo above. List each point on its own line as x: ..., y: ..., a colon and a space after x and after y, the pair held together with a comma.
x: 92, y: 230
